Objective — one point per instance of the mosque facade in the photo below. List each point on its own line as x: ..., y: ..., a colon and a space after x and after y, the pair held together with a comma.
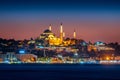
x: 52, y: 40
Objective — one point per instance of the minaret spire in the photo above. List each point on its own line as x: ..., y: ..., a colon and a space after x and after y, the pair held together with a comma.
x: 61, y: 28
x: 74, y: 34
x: 50, y: 27
x: 63, y: 34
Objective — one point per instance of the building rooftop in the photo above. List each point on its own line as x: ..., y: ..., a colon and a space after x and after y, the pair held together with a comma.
x: 47, y: 31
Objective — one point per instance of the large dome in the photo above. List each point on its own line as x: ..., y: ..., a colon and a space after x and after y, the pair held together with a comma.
x: 47, y: 31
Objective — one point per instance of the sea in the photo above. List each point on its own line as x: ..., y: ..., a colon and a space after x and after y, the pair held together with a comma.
x: 59, y: 72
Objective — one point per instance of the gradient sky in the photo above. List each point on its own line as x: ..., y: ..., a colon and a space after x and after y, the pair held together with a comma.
x: 94, y: 20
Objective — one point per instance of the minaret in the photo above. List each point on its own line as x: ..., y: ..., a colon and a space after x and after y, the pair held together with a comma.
x: 74, y: 34
x: 61, y: 32
x: 50, y: 27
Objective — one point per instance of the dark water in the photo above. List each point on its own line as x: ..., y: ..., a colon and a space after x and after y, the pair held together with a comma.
x: 59, y: 72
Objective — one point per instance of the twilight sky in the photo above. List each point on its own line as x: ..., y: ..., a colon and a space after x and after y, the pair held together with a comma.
x: 93, y: 20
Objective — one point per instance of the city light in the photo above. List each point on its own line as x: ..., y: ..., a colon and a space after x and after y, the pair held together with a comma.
x: 49, y: 48
x: 107, y: 58
x: 22, y: 51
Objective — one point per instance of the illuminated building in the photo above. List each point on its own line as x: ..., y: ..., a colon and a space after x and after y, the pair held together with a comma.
x: 50, y: 38
x: 102, y: 47
x: 67, y: 42
x: 92, y: 47
x: 54, y: 41
x: 99, y: 46
x: 103, y: 51
x: 10, y: 57
x: 31, y: 42
x: 26, y: 57
x: 71, y: 41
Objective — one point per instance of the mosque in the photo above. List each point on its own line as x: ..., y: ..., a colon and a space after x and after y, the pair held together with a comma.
x: 52, y: 40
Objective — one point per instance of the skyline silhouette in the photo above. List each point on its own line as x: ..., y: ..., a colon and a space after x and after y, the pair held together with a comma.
x: 93, y: 20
